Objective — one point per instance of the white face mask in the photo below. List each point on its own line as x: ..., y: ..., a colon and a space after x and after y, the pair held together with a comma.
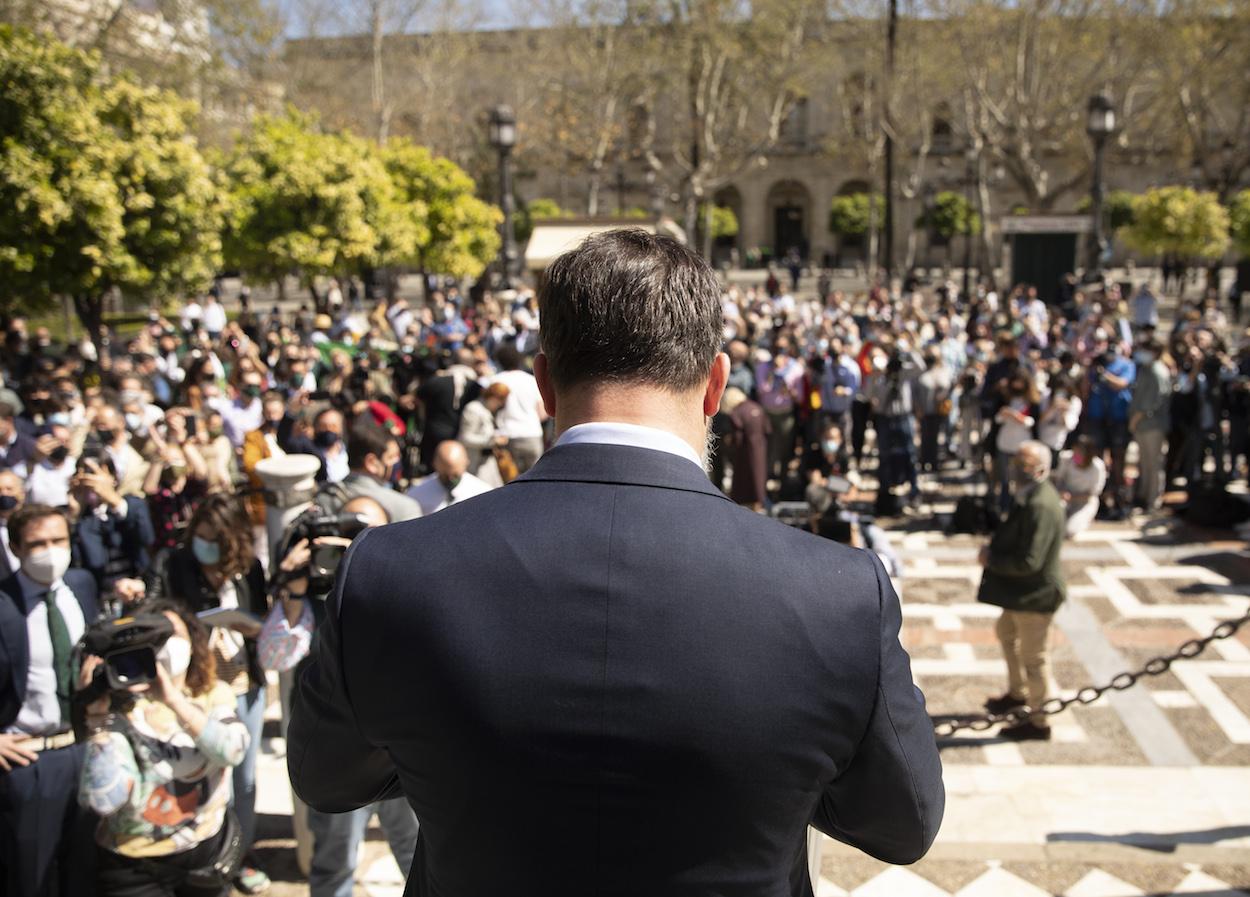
x: 46, y: 566
x: 175, y: 655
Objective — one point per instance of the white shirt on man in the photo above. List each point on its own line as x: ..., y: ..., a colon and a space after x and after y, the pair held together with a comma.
x: 432, y: 495
x: 48, y: 483
x: 519, y: 419
x: 40, y: 713
x: 636, y: 435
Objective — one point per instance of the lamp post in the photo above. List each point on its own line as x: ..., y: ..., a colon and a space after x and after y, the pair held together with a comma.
x: 970, y: 157
x: 1099, y: 125
x: 503, y: 139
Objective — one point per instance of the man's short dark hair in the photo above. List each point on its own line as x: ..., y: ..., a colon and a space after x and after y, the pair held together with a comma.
x: 28, y: 514
x: 366, y: 438
x: 629, y: 306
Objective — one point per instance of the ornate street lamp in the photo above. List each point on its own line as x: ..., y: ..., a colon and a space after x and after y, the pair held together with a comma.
x: 970, y: 157
x: 1100, y: 124
x: 503, y: 139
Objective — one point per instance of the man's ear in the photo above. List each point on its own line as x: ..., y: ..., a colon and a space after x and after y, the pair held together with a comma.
x: 546, y: 389
x: 716, y: 382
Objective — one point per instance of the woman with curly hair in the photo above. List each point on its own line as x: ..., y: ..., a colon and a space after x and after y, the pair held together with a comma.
x: 216, y: 567
x: 156, y: 770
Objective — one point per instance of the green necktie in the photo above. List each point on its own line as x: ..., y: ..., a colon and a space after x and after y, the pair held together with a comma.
x: 62, y: 647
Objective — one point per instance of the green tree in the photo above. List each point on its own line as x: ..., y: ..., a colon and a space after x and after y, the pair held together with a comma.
x: 100, y: 186
x: 1117, y: 207
x: 1178, y: 220
x: 952, y: 215
x: 724, y: 223
x: 527, y: 213
x: 851, y: 214
x: 309, y: 203
x: 1239, y: 221
x: 452, y: 231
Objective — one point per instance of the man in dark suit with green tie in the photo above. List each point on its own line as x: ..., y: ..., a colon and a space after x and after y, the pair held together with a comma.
x: 46, y: 846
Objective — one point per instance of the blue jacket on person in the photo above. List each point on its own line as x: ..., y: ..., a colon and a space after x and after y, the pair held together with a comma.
x: 630, y: 686
x: 1106, y: 402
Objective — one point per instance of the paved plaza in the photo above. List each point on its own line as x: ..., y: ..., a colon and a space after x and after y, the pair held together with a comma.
x: 1146, y: 791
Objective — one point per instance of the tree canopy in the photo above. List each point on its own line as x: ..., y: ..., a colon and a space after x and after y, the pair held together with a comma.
x: 1180, y: 221
x: 850, y: 215
x: 100, y: 186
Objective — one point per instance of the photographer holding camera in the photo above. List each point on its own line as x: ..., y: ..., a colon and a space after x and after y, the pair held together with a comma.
x: 157, y: 761
x: 216, y: 567
x: 307, y: 572
x: 44, y: 609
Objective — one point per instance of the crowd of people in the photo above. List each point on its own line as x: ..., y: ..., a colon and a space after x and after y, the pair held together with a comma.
x: 128, y: 485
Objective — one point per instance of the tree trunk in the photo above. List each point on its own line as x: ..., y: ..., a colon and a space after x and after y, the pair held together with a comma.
x: 592, y: 198
x: 318, y: 300
x: 90, y: 311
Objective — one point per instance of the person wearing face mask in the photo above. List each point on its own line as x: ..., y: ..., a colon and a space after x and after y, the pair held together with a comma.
x: 109, y: 433
x: 158, y: 774
x: 17, y: 450
x: 139, y: 413
x: 326, y: 443
x: 451, y: 481
x: 112, y: 532
x: 48, y: 482
x: 373, y: 457
x: 12, y: 495
x: 216, y: 567
x: 1080, y: 478
x: 242, y: 414
x: 1023, y: 577
x: 443, y: 397
x: 45, y: 841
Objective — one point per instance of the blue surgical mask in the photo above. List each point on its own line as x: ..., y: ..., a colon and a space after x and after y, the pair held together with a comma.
x: 1141, y: 356
x: 831, y: 446
x: 206, y: 552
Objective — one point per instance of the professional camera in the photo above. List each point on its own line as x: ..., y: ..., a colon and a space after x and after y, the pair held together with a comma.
x: 315, y: 524
x: 128, y: 646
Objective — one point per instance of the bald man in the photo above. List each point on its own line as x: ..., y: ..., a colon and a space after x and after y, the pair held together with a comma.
x: 12, y: 495
x: 450, y: 482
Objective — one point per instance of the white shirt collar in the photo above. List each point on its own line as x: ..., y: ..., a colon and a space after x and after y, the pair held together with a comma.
x: 613, y: 433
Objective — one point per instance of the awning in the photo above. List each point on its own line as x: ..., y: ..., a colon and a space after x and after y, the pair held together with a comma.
x: 553, y: 237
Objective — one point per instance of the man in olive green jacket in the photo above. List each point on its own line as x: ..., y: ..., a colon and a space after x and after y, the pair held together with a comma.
x: 1022, y: 576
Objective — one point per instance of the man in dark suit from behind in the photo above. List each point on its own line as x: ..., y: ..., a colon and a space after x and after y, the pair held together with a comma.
x: 46, y: 843
x: 610, y: 696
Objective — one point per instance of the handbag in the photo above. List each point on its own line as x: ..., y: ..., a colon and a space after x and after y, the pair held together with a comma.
x: 221, y: 870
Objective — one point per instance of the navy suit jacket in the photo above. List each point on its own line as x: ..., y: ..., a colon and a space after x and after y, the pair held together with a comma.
x: 15, y: 641
x: 626, y: 685
x: 135, y: 534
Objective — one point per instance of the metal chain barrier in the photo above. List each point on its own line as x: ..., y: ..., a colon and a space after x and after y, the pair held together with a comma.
x: 1156, y: 666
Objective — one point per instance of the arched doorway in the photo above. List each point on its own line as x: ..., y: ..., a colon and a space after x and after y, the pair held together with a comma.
x: 790, y: 210
x: 728, y: 248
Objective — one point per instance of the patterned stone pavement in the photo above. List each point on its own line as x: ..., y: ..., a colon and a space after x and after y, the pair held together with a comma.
x: 1146, y: 791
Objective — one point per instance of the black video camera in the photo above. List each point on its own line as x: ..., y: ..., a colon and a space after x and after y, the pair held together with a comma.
x: 324, y: 563
x: 128, y: 646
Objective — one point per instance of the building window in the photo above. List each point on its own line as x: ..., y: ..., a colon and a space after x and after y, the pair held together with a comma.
x: 794, y: 127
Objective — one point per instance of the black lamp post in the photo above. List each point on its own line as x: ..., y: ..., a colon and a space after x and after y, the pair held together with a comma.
x: 1099, y: 125
x: 503, y: 139
x: 970, y: 156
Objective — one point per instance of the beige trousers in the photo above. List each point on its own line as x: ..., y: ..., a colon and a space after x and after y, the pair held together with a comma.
x: 1025, y: 637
